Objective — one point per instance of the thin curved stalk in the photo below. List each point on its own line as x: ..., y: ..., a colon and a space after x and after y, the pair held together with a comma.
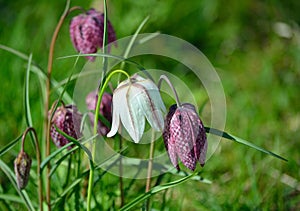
x: 48, y: 87
x: 38, y: 158
x: 166, y: 79
x: 150, y: 166
x: 92, y: 168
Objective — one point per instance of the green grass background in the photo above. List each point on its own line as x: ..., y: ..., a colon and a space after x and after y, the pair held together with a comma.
x: 258, y: 64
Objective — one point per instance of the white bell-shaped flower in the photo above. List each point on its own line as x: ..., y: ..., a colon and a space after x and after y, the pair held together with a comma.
x: 133, y: 100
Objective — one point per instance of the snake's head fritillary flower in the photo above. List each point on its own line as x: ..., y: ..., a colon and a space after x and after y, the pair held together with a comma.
x: 86, y: 31
x: 184, y: 136
x: 105, y: 109
x: 133, y: 100
x: 67, y: 119
x: 22, y: 166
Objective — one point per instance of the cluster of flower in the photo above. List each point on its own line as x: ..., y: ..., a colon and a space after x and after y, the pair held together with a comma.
x: 133, y: 100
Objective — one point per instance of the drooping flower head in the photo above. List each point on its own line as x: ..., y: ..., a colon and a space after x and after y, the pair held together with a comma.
x: 22, y: 166
x: 67, y: 119
x: 184, y: 136
x: 105, y: 109
x: 86, y: 31
x: 133, y: 100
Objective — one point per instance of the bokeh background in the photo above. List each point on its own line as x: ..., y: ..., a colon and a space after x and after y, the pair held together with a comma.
x: 255, y: 48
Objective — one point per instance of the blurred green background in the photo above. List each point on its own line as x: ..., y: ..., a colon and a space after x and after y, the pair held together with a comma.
x: 255, y: 48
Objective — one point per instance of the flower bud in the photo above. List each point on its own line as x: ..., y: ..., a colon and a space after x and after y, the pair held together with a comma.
x: 105, y: 110
x: 133, y: 100
x: 67, y: 119
x: 184, y: 136
x: 86, y: 31
x: 22, y: 166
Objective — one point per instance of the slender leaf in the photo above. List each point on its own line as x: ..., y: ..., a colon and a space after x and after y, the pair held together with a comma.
x: 26, y: 94
x: 67, y: 190
x: 63, y: 90
x: 107, y: 56
x: 184, y: 173
x: 17, y: 53
x: 241, y: 141
x: 36, y: 69
x: 148, y: 37
x: 11, y: 198
x: 67, y: 98
x: 58, y: 151
x: 12, y: 178
x: 60, y: 160
x: 52, y: 155
x: 76, y: 142
x: 104, y: 41
x: 129, y: 47
x: 155, y: 190
x: 10, y: 145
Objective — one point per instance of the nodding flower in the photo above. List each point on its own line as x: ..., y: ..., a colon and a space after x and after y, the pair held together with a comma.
x: 67, y: 119
x: 184, y: 136
x: 133, y: 100
x: 22, y: 166
x: 86, y: 31
x: 105, y: 110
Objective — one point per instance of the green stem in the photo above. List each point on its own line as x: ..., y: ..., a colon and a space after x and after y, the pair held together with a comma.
x: 77, y: 188
x: 48, y: 87
x: 92, y: 167
x: 104, y: 43
x: 38, y: 158
x: 121, y: 174
x: 150, y: 166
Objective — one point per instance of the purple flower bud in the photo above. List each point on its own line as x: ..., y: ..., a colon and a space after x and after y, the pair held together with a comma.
x: 86, y: 31
x: 22, y: 166
x: 67, y: 119
x: 184, y: 136
x: 105, y: 110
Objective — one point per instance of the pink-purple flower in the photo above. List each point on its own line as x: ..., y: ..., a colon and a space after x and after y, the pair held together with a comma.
x: 105, y: 110
x: 184, y: 136
x: 22, y: 166
x: 86, y: 31
x: 67, y: 119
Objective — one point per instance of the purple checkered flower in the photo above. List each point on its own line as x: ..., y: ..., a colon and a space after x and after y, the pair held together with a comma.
x: 22, y: 166
x: 184, y: 136
x: 86, y: 31
x: 67, y: 119
x: 105, y: 110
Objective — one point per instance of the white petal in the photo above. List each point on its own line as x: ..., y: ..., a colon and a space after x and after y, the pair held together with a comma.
x: 136, y: 113
x: 115, y: 118
x: 126, y: 113
x: 149, y: 110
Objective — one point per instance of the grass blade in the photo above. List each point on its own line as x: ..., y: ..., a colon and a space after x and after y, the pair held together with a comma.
x: 60, y: 160
x: 155, y: 190
x: 76, y: 142
x: 52, y: 155
x: 12, y: 178
x: 129, y: 47
x: 36, y: 69
x: 11, y: 198
x: 241, y: 141
x: 183, y: 173
x: 58, y: 151
x: 26, y: 94
x: 67, y: 190
x: 10, y: 145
